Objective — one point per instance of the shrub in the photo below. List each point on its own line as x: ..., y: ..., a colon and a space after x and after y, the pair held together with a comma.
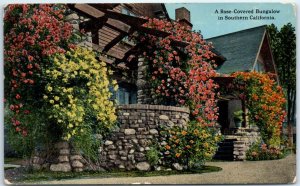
x: 194, y: 145
x: 261, y: 152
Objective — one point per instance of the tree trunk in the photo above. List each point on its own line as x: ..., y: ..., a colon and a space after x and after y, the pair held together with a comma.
x: 290, y: 131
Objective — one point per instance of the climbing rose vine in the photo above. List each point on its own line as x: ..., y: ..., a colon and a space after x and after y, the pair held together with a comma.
x: 32, y: 33
x: 53, y: 89
x: 181, y: 73
x: 180, y: 69
x: 265, y: 101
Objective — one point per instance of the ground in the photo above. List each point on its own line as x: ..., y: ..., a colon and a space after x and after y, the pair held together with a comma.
x: 246, y: 172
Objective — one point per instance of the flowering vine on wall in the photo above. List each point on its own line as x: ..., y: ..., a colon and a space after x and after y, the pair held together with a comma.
x: 265, y: 102
x: 181, y: 75
x: 53, y: 89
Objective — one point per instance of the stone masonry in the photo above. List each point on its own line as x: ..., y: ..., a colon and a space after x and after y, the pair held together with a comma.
x: 66, y: 159
x: 245, y: 138
x: 139, y: 126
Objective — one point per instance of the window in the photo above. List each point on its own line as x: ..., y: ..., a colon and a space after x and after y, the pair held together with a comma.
x: 259, y: 67
x: 126, y: 94
x: 127, y: 12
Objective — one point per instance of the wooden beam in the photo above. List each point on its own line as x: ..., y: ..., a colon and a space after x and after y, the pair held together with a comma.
x: 130, y: 20
x: 105, y: 5
x: 154, y: 32
x: 179, y: 43
x: 94, y: 12
x: 95, y: 36
x: 106, y: 59
x: 115, y: 53
x: 133, y: 50
x: 115, y: 28
x: 112, y: 52
x: 118, y: 24
x: 114, y: 42
x: 72, y: 7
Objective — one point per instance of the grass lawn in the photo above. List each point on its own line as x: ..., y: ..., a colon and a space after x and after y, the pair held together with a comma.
x: 30, y: 177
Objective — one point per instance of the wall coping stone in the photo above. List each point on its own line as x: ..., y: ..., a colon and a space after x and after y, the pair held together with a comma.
x: 153, y: 107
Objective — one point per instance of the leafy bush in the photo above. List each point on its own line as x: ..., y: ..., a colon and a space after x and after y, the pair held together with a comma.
x: 262, y: 152
x: 194, y: 145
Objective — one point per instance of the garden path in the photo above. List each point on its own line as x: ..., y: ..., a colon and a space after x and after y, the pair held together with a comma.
x: 247, y: 172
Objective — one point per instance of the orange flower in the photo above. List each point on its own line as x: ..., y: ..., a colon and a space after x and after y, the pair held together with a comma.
x: 167, y: 147
x: 255, y: 97
x: 184, y: 132
x: 177, y: 155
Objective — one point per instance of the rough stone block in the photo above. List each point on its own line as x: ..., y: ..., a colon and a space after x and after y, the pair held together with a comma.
x: 75, y: 157
x: 78, y: 169
x: 123, y: 158
x: 64, y: 151
x: 61, y: 167
x: 77, y: 164
x: 123, y: 153
x: 62, y: 145
x: 107, y: 142
x: 63, y: 158
x: 111, y: 147
x: 177, y: 166
x: 163, y: 117
x: 112, y: 156
x: 153, y: 131
x: 129, y: 131
x: 131, y: 151
x: 143, y: 166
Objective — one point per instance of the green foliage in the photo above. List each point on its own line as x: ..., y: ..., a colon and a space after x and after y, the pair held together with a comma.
x: 283, y: 44
x: 238, y: 115
x: 261, y: 152
x: 153, y: 155
x: 30, y: 177
x: 192, y: 145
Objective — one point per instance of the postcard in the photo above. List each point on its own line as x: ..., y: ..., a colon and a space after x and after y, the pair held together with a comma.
x: 150, y: 93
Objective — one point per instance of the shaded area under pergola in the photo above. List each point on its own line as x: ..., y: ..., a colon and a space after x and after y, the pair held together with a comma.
x: 103, y: 19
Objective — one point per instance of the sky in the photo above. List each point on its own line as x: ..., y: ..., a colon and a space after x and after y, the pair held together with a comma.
x: 205, y: 18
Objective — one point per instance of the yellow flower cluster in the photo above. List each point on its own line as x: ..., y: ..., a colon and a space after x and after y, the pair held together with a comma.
x: 80, y: 89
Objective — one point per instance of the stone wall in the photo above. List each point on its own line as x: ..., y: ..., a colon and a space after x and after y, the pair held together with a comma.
x: 74, y: 19
x: 245, y: 138
x: 62, y: 158
x: 140, y: 125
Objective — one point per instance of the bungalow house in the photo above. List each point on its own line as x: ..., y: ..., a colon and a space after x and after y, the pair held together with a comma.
x: 244, y: 51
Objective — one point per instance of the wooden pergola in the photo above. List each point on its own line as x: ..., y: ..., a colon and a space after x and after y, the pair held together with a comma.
x: 113, y: 27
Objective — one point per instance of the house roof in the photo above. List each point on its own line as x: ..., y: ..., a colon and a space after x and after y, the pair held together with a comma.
x: 239, y: 48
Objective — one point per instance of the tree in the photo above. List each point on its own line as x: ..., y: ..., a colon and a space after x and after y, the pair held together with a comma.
x: 283, y: 44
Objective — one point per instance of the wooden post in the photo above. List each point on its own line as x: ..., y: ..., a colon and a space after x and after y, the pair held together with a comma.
x: 244, y: 124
